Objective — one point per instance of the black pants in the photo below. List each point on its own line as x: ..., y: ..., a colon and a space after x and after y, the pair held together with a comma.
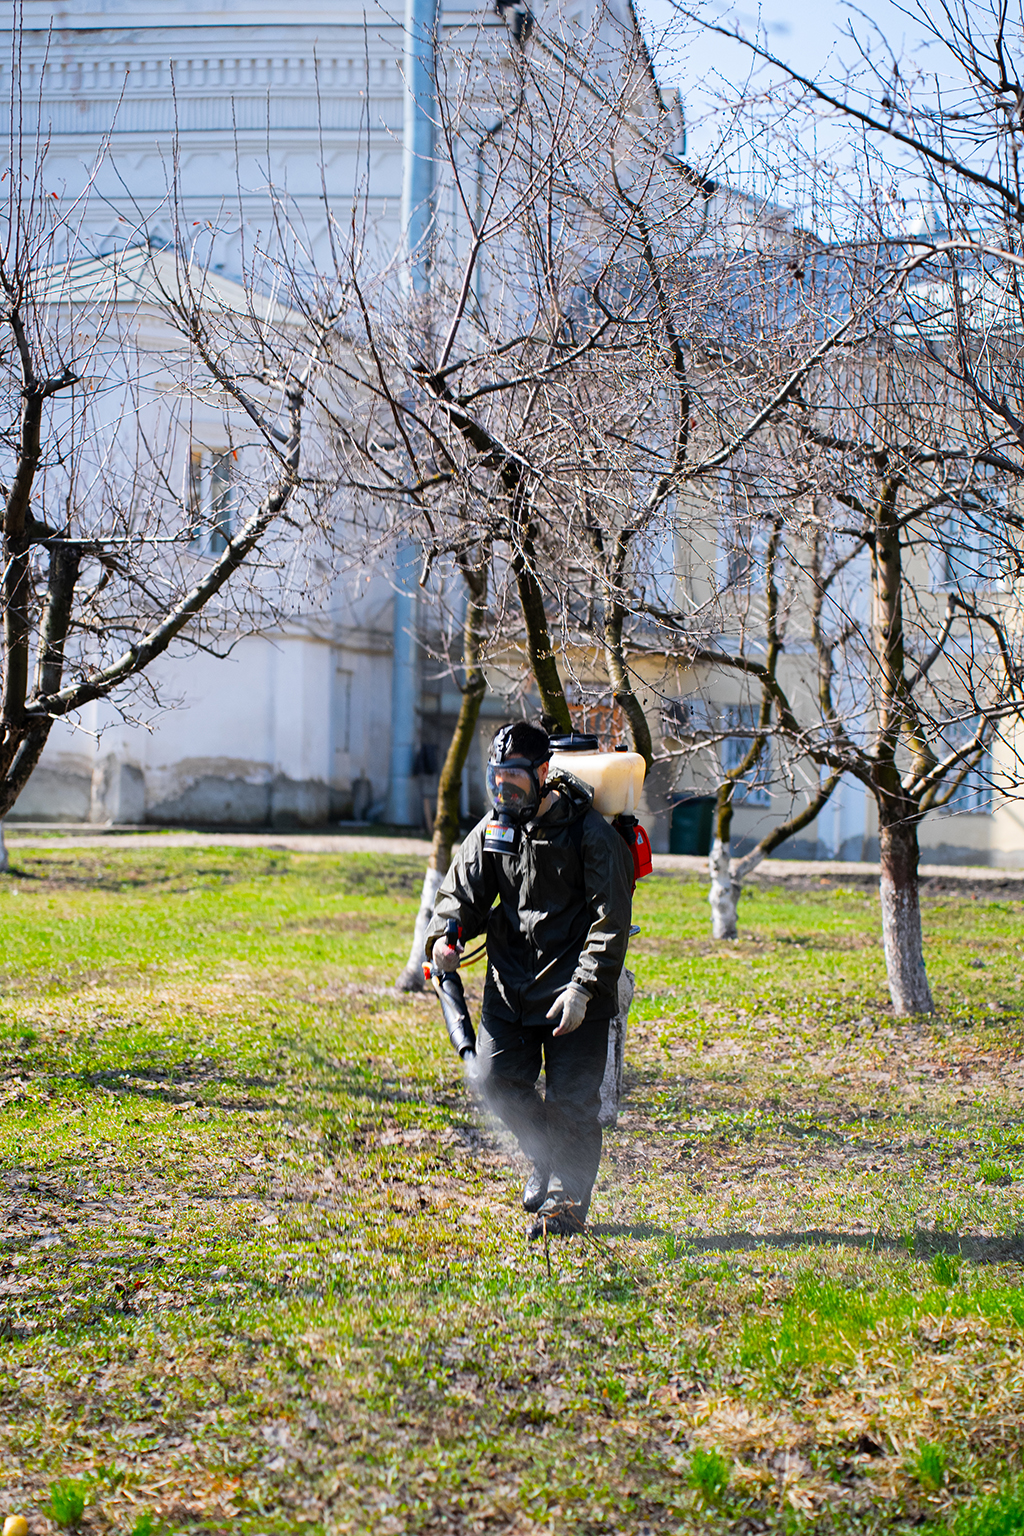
x: 560, y: 1132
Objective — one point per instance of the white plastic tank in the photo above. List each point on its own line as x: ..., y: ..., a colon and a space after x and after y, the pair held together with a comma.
x: 617, y: 778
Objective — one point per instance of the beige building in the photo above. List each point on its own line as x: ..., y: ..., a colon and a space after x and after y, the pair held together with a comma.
x: 294, y: 728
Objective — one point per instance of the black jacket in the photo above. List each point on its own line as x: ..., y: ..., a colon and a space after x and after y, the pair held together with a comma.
x: 561, y: 916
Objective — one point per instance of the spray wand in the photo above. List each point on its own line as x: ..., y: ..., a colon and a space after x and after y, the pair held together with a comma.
x: 452, y: 997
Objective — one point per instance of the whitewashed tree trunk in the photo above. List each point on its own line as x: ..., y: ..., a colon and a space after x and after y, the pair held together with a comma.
x: 4, y: 861
x: 724, y: 893
x: 611, y: 1084
x: 746, y: 866
x: 728, y: 874
x: 901, y: 920
x: 411, y: 979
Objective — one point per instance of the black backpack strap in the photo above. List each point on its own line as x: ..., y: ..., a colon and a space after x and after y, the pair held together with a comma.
x: 626, y: 827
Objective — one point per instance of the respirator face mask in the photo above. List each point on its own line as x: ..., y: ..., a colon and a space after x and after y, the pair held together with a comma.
x: 515, y: 796
x: 513, y: 789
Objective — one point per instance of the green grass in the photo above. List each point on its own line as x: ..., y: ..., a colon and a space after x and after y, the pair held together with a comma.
x: 66, y: 1504
x: 263, y: 1268
x: 929, y: 1467
x: 709, y: 1475
x: 996, y: 1514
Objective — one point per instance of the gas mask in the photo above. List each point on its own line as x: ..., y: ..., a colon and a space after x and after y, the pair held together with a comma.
x: 515, y: 793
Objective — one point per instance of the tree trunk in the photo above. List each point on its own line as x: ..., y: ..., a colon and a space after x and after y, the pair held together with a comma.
x: 17, y: 553
x: 539, y: 649
x: 26, y: 755
x: 897, y: 814
x: 5, y: 863
x: 411, y: 979
x: 26, y: 746
x: 724, y: 893
x: 543, y: 664
x: 446, y: 819
x: 623, y: 691
x: 611, y: 1083
x: 901, y: 919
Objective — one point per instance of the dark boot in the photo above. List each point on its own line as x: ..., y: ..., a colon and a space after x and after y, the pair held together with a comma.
x: 535, y: 1192
x: 557, y: 1217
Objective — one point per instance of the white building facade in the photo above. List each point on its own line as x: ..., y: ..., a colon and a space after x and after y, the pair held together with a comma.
x: 230, y: 126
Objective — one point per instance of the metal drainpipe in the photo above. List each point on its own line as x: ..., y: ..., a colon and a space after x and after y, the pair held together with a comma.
x: 421, y: 20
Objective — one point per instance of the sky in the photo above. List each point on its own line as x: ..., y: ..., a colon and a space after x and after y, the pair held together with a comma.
x: 807, y: 34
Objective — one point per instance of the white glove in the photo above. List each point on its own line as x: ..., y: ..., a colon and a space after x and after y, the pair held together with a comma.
x: 571, y: 1003
x: 443, y: 958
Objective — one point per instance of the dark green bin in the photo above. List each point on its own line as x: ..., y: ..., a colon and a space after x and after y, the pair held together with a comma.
x: 693, y: 820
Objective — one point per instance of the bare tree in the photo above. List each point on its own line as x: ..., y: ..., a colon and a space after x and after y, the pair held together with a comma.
x: 919, y: 436
x: 444, y: 423
x: 116, y: 548
x: 747, y: 614
x: 703, y: 364
x: 903, y: 541
x: 578, y: 367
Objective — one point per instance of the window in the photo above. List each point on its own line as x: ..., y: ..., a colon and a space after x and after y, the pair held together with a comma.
x: 210, y: 498
x: 968, y: 539
x: 739, y: 552
x: 972, y: 797
x: 967, y: 554
x: 744, y: 537
x: 754, y: 788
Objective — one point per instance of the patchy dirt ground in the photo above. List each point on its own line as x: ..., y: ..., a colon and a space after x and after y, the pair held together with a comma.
x: 263, y: 1267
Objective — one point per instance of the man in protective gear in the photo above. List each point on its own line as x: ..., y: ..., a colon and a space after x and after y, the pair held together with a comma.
x: 552, y: 884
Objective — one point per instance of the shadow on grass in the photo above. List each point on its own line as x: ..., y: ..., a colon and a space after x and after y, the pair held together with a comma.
x: 640, y: 1229
x: 211, y: 1086
x: 919, y: 1245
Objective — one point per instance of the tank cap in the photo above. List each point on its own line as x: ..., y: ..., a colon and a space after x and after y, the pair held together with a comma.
x: 576, y: 741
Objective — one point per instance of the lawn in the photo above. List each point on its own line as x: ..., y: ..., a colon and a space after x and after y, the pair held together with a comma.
x: 264, y: 1269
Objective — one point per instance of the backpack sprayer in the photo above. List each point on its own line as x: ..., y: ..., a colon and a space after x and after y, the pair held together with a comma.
x: 452, y: 997
x: 617, y: 779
